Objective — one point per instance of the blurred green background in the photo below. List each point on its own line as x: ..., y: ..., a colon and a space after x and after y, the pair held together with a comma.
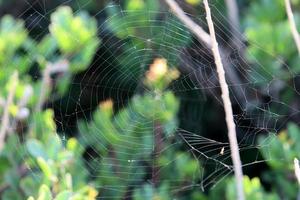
x: 111, y: 99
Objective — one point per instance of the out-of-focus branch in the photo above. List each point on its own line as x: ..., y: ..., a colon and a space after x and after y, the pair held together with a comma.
x: 9, y: 101
x: 233, y: 13
x: 237, y: 164
x: 234, y: 23
x: 51, y: 68
x: 292, y: 24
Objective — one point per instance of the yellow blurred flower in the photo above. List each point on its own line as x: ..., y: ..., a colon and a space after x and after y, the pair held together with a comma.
x: 92, y: 194
x: 173, y: 74
x: 106, y: 105
x: 193, y: 2
x: 157, y: 69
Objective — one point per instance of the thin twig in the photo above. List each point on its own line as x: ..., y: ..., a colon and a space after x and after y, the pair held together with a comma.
x: 203, y: 36
x: 27, y: 94
x: 292, y: 24
x: 237, y: 164
x: 192, y: 26
x: 9, y: 101
x: 210, y: 41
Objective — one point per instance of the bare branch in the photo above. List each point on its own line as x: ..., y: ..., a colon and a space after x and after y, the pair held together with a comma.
x: 51, y: 68
x: 211, y: 42
x: 292, y: 24
x: 8, y: 103
x: 237, y: 165
x: 234, y: 23
x: 192, y: 26
x: 204, y: 37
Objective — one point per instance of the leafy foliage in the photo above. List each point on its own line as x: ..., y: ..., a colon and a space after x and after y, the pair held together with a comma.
x: 38, y: 162
x: 75, y: 36
x: 130, y: 127
x: 269, y: 34
x: 280, y: 152
x: 39, y: 159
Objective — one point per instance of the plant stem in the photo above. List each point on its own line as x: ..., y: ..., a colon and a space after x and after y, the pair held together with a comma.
x: 51, y: 68
x: 292, y: 24
x: 45, y: 87
x: 237, y: 164
x: 9, y: 101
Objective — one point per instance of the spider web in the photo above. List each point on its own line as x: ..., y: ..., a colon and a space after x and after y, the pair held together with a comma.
x: 258, y: 109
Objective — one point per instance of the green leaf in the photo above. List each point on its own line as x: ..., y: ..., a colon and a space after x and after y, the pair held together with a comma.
x: 43, y: 125
x: 76, y: 36
x: 54, y: 145
x: 46, y: 169
x: 44, y: 193
x: 46, y: 47
x: 12, y: 36
x: 29, y: 184
x: 65, y: 195
x: 36, y: 149
x: 11, y: 194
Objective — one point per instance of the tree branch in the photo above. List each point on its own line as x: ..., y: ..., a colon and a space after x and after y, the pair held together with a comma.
x: 210, y: 41
x: 51, y: 68
x: 204, y: 37
x: 292, y: 24
x: 237, y: 165
x: 9, y: 101
x: 192, y: 26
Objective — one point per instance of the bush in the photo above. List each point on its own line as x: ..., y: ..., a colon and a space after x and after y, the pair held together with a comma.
x: 134, y: 149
